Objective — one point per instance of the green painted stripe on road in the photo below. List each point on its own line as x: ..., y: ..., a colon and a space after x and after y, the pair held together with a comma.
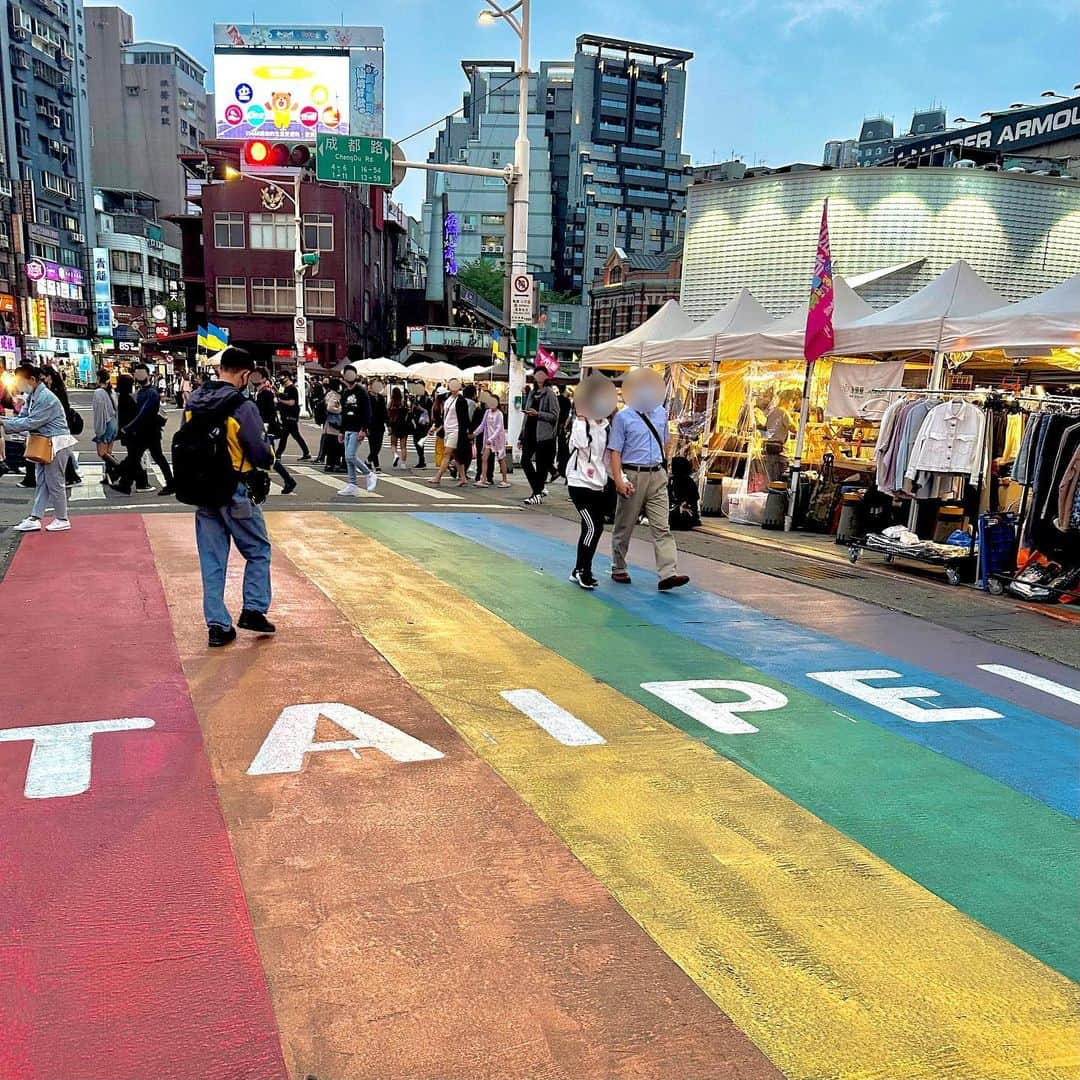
x: 1006, y: 860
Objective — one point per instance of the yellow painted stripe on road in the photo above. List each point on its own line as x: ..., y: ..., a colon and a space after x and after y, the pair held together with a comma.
x: 834, y: 963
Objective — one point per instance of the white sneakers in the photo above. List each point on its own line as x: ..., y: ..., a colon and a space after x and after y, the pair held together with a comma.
x: 349, y: 489
x: 371, y: 480
x: 28, y: 525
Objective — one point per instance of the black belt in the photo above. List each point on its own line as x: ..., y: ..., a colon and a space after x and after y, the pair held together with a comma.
x: 645, y: 468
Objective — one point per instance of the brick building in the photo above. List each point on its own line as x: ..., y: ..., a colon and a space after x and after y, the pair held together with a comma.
x: 633, y: 287
x: 237, y: 260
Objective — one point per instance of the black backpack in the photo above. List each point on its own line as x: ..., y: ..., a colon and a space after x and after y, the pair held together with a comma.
x: 203, y: 472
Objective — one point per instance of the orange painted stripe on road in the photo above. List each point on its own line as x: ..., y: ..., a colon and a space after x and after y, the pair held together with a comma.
x: 417, y: 919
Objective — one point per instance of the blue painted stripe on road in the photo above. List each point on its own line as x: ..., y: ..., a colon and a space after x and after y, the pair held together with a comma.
x: 1030, y: 753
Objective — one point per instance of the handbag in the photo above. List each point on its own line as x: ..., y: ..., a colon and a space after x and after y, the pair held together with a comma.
x: 39, y: 449
x: 75, y: 422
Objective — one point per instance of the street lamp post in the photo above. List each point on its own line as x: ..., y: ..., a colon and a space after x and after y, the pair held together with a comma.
x: 519, y: 260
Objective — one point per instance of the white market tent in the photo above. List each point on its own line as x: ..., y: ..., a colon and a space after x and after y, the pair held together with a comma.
x: 741, y: 315
x: 918, y: 321
x: 629, y: 350
x: 433, y: 371
x: 1049, y: 319
x: 471, y: 374
x: 378, y: 365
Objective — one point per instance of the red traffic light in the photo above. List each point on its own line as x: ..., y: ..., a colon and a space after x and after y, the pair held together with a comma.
x: 260, y: 153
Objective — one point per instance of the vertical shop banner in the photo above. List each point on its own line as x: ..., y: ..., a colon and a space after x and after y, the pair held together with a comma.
x: 102, y: 294
x: 820, y: 338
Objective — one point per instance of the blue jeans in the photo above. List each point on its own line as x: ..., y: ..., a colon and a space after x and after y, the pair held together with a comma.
x: 242, y: 521
x: 352, y: 446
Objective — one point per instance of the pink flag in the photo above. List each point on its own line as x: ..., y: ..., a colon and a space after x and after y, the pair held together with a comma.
x: 548, y: 361
x: 820, y: 338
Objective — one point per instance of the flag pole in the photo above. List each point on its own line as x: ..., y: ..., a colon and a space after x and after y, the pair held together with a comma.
x: 820, y: 339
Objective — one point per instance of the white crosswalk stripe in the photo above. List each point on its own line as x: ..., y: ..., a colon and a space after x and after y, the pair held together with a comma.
x: 423, y: 489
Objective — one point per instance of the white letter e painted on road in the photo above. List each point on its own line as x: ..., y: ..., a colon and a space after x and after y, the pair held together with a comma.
x: 897, y: 699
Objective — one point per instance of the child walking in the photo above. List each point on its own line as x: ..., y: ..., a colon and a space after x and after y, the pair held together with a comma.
x: 493, y: 429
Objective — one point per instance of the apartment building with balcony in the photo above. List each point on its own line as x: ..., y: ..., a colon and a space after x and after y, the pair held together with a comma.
x: 45, y: 194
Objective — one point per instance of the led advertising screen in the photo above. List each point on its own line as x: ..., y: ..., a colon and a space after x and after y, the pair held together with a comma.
x: 289, y: 96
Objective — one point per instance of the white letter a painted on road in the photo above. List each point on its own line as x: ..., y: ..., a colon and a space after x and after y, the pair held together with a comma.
x: 293, y: 736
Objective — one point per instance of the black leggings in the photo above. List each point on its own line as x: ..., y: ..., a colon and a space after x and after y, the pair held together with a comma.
x: 590, y: 505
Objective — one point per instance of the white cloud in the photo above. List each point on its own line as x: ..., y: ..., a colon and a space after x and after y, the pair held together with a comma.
x: 806, y: 11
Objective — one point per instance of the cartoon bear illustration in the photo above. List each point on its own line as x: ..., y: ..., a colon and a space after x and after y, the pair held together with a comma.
x: 282, y: 106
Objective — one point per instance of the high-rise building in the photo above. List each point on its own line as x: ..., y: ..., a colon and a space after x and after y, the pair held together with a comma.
x: 878, y: 141
x: 627, y: 174
x: 484, y: 135
x: 607, y: 167
x: 147, y: 105
x: 840, y: 153
x: 46, y: 163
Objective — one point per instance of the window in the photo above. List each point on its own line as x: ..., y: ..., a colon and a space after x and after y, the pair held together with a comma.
x: 560, y: 322
x: 490, y: 244
x: 228, y: 230
x: 272, y: 231
x: 127, y: 261
x: 600, y: 249
x: 57, y: 184
x: 367, y: 249
x: 231, y: 294
x: 44, y: 251
x: 128, y: 296
x: 367, y: 308
x: 318, y: 232
x: 319, y: 298
x: 273, y: 296
x: 69, y: 258
x: 132, y: 91
x: 602, y: 228
x: 493, y: 219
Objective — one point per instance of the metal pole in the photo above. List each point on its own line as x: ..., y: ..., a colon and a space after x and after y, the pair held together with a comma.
x: 800, y: 440
x: 298, y: 274
x: 520, y: 260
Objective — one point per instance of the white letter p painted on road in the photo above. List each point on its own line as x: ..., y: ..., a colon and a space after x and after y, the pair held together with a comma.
x: 721, y: 716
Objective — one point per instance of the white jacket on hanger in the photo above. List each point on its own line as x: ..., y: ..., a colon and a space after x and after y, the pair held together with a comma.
x: 950, y: 441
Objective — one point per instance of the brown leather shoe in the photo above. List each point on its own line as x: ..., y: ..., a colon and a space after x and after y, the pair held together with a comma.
x: 621, y: 576
x: 676, y: 581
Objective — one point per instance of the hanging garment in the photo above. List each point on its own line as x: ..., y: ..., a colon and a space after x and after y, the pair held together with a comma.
x: 1068, y: 492
x: 1028, y: 443
x: 950, y: 441
x: 911, y: 426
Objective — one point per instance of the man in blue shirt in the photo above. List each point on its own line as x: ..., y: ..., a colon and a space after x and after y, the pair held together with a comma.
x: 638, y: 445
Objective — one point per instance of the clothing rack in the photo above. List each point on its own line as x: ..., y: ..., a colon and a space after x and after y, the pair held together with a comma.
x: 1055, y: 399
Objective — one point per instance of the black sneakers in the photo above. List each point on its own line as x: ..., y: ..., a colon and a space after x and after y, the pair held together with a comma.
x: 255, y: 621
x: 219, y: 636
x: 288, y: 487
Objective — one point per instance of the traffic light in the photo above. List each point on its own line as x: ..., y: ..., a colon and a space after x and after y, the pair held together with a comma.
x: 526, y: 341
x: 310, y: 259
x: 262, y: 154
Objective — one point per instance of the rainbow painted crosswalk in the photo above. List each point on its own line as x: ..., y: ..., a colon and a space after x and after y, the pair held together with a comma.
x: 461, y: 819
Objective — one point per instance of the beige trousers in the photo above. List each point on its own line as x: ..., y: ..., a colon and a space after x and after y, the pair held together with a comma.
x: 651, y: 498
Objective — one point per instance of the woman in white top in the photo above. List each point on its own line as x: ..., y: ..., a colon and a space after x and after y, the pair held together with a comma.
x: 587, y: 469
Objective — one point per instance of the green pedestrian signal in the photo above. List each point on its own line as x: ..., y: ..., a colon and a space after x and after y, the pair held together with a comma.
x: 526, y: 341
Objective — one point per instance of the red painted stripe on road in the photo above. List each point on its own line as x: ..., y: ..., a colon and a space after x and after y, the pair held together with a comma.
x: 126, y: 949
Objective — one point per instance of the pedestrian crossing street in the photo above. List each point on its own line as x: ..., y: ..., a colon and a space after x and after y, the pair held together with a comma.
x: 312, y: 483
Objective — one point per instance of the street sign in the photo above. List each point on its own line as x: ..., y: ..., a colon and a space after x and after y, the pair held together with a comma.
x: 399, y: 170
x: 354, y: 159
x: 521, y: 299
x: 300, y: 331
x: 161, y: 330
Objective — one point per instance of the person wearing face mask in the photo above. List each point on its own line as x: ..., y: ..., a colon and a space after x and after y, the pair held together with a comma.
x: 262, y: 393
x: 638, y: 445
x: 355, y: 419
x: 42, y: 414
x: 538, y: 435
x: 231, y: 517
x: 143, y: 435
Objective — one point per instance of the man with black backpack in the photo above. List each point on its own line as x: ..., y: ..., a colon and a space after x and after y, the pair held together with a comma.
x: 220, y: 455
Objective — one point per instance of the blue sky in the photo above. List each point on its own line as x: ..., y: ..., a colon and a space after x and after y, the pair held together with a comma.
x: 771, y: 79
